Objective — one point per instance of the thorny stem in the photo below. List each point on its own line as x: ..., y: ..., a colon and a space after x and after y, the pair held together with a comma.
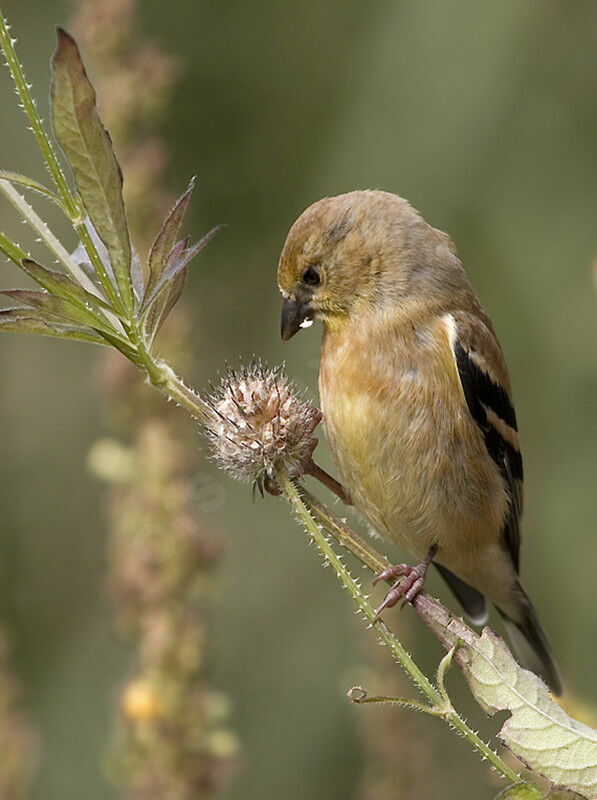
x: 71, y: 204
x: 165, y: 379
x: 363, y: 551
x: 11, y: 249
x: 41, y: 228
x: 439, y: 702
x: 294, y: 496
x: 343, y: 535
x: 18, y: 76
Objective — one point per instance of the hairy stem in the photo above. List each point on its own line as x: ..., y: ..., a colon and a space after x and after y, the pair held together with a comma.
x: 11, y: 250
x: 360, y: 548
x: 42, y: 230
x: 165, y: 379
x: 43, y: 141
x: 71, y: 204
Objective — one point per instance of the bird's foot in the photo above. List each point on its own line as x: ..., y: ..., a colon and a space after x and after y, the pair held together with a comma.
x: 410, y: 583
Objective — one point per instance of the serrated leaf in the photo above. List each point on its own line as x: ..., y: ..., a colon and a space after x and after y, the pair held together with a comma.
x: 19, y: 320
x: 165, y: 240
x: 57, y: 283
x: 538, y: 731
x: 88, y: 148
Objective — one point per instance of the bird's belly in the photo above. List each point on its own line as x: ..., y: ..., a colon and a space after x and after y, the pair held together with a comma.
x: 417, y: 472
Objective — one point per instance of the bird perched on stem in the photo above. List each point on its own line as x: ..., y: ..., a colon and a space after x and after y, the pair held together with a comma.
x: 416, y: 401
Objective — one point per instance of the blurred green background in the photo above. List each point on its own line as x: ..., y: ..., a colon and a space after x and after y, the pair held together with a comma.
x: 484, y: 115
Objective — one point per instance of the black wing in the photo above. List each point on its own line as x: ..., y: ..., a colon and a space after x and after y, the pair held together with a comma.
x: 492, y: 410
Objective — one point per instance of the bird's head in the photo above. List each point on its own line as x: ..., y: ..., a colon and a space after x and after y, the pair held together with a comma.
x: 351, y: 253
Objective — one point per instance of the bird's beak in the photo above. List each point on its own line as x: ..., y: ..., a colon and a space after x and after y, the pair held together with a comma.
x: 295, y: 315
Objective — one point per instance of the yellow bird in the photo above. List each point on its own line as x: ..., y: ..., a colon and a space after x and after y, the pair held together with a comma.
x: 416, y: 401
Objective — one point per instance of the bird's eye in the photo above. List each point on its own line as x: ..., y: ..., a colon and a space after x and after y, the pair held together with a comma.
x: 311, y: 276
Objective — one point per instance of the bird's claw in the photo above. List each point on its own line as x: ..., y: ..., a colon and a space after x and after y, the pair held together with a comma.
x: 410, y: 583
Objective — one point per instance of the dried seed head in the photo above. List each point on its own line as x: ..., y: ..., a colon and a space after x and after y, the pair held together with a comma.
x: 258, y: 422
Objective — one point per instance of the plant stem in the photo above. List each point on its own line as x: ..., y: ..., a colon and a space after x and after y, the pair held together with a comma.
x: 165, y: 379
x: 49, y: 156
x: 344, y: 535
x: 71, y: 204
x: 29, y: 183
x: 41, y: 228
x: 359, y: 548
x: 11, y: 249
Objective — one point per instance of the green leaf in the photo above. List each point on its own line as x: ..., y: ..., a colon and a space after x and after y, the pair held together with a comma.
x: 165, y: 241
x: 538, y: 731
x: 59, y: 284
x: 57, y: 306
x: 19, y: 320
x: 88, y: 148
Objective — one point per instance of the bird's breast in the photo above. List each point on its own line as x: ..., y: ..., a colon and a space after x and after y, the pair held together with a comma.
x: 399, y: 431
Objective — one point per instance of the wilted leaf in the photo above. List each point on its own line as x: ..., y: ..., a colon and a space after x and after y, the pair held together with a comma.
x: 20, y: 320
x: 538, y: 731
x: 564, y: 794
x: 61, y: 285
x: 165, y: 241
x: 88, y: 148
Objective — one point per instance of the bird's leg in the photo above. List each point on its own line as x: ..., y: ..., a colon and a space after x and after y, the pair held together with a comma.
x: 410, y: 583
x: 313, y: 469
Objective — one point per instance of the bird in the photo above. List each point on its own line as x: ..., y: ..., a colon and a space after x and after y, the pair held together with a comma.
x: 416, y: 402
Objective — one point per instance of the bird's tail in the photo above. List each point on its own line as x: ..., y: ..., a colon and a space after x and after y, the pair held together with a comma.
x: 530, y: 643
